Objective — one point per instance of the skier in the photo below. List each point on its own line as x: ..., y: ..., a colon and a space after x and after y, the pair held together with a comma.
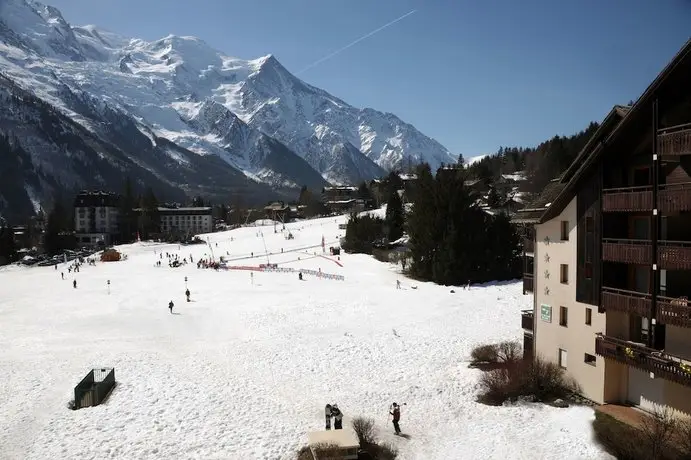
x: 300, y: 276
x: 398, y: 284
x: 187, y: 293
x: 338, y: 417
x: 62, y: 274
x: 74, y: 284
x: 396, y: 413
x: 327, y: 416
x: 170, y: 306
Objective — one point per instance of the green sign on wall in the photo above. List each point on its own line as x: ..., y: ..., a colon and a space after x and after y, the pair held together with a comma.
x: 546, y: 313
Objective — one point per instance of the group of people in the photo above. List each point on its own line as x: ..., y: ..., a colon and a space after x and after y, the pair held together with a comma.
x: 332, y: 411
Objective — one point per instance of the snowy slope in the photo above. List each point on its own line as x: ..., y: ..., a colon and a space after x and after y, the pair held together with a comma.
x: 245, y: 369
x: 167, y: 83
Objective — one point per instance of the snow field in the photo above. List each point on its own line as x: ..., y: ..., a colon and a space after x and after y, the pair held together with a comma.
x: 244, y: 371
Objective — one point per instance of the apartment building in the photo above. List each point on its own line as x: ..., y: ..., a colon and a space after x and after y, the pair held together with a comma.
x: 96, y: 217
x: 608, y: 254
x: 189, y: 220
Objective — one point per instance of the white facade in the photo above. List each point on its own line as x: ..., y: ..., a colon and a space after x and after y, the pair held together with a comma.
x: 186, y: 220
x: 96, y: 219
x: 562, y: 335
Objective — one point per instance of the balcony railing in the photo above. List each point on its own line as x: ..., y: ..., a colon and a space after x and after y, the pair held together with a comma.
x: 626, y: 301
x: 527, y: 320
x: 647, y: 359
x: 627, y: 251
x: 529, y: 245
x: 674, y: 141
x: 627, y: 199
x: 674, y: 311
x: 527, y: 283
x: 674, y: 197
x: 674, y: 255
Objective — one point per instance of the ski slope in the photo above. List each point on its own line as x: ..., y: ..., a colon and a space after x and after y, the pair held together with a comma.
x: 245, y: 369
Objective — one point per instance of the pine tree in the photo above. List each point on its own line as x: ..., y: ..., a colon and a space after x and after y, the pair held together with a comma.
x: 128, y: 217
x: 493, y: 198
x: 150, y: 222
x: 8, y: 248
x: 421, y: 224
x: 395, y: 216
x: 56, y: 224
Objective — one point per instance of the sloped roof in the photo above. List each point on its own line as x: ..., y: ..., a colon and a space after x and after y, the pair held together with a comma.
x: 536, y: 208
x: 619, y: 118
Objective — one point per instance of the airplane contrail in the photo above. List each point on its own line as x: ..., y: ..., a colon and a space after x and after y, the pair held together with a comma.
x: 329, y: 56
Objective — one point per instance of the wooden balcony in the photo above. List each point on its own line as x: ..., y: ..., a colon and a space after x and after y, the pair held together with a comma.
x: 527, y: 320
x: 529, y: 245
x: 676, y: 312
x: 630, y: 302
x: 627, y: 199
x: 674, y: 197
x: 674, y: 141
x: 528, y: 283
x: 674, y: 255
x: 627, y: 251
x: 646, y: 359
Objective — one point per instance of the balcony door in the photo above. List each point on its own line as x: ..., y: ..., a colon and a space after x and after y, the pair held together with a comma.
x: 640, y: 176
x: 639, y: 278
x: 639, y: 228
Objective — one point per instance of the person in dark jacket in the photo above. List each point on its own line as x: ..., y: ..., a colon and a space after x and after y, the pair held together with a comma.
x: 338, y: 417
x: 187, y: 293
x: 170, y: 307
x: 396, y: 413
x: 327, y: 416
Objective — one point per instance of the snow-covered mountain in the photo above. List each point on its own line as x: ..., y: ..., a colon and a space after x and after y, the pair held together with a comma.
x: 252, y: 114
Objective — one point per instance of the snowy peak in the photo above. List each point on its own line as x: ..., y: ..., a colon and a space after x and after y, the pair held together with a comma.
x: 39, y: 28
x: 252, y: 114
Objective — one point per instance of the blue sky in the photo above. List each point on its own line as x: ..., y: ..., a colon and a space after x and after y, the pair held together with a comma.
x: 473, y: 74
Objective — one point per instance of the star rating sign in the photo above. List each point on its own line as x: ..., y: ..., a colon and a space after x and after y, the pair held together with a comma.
x: 546, y: 290
x: 546, y: 257
x: 547, y: 240
x: 546, y: 274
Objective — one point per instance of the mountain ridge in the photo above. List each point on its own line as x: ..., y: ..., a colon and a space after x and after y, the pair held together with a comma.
x: 254, y: 115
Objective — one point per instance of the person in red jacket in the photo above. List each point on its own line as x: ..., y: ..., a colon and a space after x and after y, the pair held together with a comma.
x: 396, y: 413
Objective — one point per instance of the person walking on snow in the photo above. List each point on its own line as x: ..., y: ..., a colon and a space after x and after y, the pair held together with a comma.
x: 170, y: 306
x: 398, y: 284
x: 187, y: 293
x: 327, y: 416
x: 74, y: 284
x: 338, y: 417
x: 396, y: 413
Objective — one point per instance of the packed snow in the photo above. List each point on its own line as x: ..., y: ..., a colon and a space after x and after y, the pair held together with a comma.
x: 244, y: 370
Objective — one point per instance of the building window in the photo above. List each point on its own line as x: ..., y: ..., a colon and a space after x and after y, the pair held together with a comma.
x: 562, y: 358
x: 565, y: 230
x: 564, y: 274
x: 563, y: 316
x: 590, y: 359
x: 588, y: 270
x: 588, y: 316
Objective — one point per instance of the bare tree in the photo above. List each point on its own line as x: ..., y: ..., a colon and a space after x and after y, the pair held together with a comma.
x: 658, y: 430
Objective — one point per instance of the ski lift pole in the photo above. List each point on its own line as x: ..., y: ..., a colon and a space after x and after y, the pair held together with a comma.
x: 266, y: 251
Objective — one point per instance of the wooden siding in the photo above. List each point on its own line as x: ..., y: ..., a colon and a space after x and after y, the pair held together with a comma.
x: 627, y: 251
x: 588, y: 205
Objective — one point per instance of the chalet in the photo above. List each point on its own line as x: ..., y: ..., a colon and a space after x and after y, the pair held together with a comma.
x: 608, y: 254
